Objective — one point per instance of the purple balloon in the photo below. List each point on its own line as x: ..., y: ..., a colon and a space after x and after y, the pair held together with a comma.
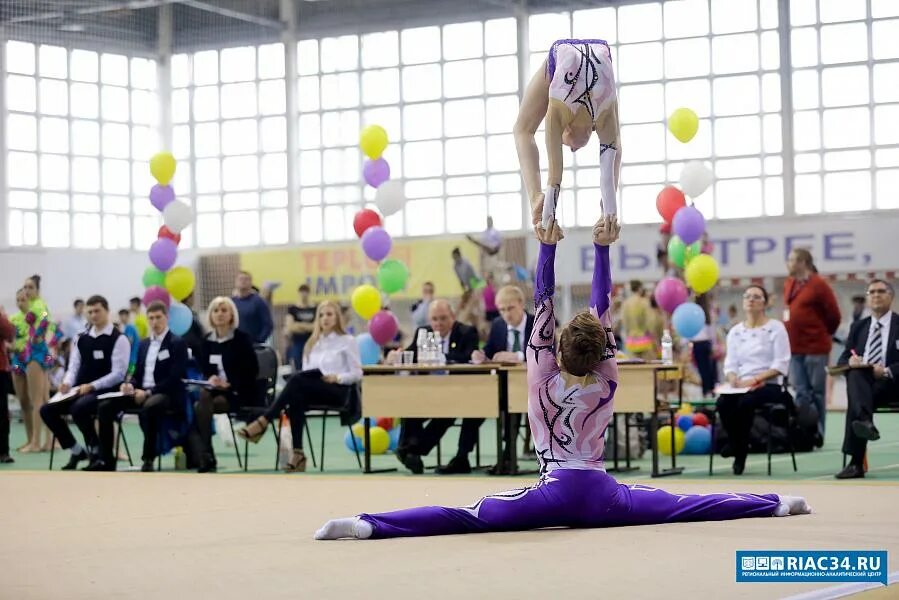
x: 689, y: 224
x: 383, y: 327
x: 670, y: 293
x: 161, y: 195
x: 376, y: 172
x: 376, y: 243
x: 163, y: 253
x: 154, y: 293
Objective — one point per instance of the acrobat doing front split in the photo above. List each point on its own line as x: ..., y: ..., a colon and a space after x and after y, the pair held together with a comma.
x: 571, y: 389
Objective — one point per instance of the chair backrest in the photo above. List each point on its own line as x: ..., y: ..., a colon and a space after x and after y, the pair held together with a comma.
x: 268, y: 371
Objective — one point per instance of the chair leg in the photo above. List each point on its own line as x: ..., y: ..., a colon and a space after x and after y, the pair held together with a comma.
x: 770, y: 445
x: 311, y: 445
x: 276, y: 431
x: 355, y: 447
x: 246, y: 458
x: 124, y: 441
x: 792, y: 452
x: 321, y: 463
x: 234, y: 438
x: 53, y: 449
x: 477, y: 450
x: 712, y: 444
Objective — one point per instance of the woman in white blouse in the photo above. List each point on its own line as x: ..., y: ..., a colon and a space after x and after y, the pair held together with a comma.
x: 331, y: 365
x: 758, y: 358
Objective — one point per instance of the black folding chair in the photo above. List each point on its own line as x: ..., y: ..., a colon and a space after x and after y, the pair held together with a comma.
x: 267, y: 358
x: 348, y: 413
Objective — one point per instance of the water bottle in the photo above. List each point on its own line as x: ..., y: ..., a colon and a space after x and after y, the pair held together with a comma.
x: 667, y: 348
x: 439, y: 356
x: 430, y: 348
x: 420, y: 343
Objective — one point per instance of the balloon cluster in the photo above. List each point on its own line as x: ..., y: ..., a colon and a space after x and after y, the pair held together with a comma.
x: 376, y: 244
x: 687, y: 226
x: 163, y: 281
x: 383, y: 434
x: 692, y: 433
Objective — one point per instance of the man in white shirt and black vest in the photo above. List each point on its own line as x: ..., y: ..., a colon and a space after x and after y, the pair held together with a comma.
x: 97, y: 365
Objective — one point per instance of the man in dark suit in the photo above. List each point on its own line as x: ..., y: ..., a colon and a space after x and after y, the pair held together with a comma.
x: 155, y: 387
x: 458, y: 342
x: 506, y: 343
x: 872, y: 341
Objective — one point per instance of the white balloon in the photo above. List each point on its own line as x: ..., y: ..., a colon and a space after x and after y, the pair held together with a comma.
x: 390, y: 197
x: 695, y: 178
x: 177, y: 216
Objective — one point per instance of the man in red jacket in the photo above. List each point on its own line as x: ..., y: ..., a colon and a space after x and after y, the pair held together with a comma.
x: 811, y: 315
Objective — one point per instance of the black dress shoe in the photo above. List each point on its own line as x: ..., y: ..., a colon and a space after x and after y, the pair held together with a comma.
x: 727, y: 451
x: 457, y: 466
x: 739, y: 465
x: 147, y: 467
x: 208, y: 464
x: 851, y: 471
x: 99, y: 465
x: 74, y: 460
x: 414, y: 464
x: 865, y: 430
x: 6, y: 459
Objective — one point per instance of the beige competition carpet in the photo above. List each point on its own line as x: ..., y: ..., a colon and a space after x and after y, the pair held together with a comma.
x: 132, y: 535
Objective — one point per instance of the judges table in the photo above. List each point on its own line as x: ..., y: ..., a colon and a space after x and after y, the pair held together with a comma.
x: 494, y: 391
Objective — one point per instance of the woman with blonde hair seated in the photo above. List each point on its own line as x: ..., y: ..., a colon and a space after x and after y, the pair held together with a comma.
x: 331, y: 364
x: 229, y: 363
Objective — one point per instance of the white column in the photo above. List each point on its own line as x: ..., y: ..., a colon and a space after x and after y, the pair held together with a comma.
x: 288, y: 13
x: 164, y: 74
x: 524, y: 76
x: 4, y: 208
x: 786, y: 107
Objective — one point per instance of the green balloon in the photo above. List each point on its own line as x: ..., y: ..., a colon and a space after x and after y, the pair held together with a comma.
x: 153, y: 276
x: 392, y: 276
x: 680, y: 254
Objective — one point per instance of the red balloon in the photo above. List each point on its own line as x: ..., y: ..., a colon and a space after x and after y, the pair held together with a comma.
x: 669, y: 201
x: 700, y: 419
x: 665, y: 228
x: 386, y: 423
x: 165, y: 232
x: 364, y: 219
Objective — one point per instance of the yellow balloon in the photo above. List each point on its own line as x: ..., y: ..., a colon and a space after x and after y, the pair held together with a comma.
x: 664, y: 440
x: 379, y: 440
x: 685, y: 409
x: 162, y: 167
x: 702, y: 273
x: 180, y: 282
x: 359, y: 430
x: 683, y: 124
x: 373, y: 141
x: 366, y: 301
x: 143, y: 328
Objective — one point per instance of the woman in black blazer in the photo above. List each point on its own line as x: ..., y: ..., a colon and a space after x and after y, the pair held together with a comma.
x: 229, y: 364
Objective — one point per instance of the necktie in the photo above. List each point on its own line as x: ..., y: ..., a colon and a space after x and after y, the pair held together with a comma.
x: 516, y: 340
x: 875, y: 350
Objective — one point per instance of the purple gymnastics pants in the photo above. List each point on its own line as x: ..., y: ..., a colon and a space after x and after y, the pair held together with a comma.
x: 570, y: 498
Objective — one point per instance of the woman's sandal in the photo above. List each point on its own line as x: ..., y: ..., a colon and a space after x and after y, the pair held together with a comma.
x: 254, y: 431
x: 297, y: 462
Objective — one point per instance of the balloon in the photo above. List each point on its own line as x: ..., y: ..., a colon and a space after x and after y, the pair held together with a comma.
x: 376, y: 243
x: 161, y: 195
x: 378, y: 439
x: 688, y: 319
x: 358, y: 430
x: 685, y: 422
x: 162, y: 167
x: 165, y: 232
x: 153, y: 276
x: 364, y: 219
x: 163, y: 253
x: 670, y: 293
x: 369, y: 351
x: 180, y: 283
x: 385, y: 422
x: 700, y: 419
x: 683, y: 124
x: 177, y: 216
x: 156, y: 293
x: 695, y: 178
x: 663, y: 438
x: 698, y: 440
x: 140, y: 323
x: 688, y: 224
x: 373, y: 141
x: 395, y: 438
x: 681, y: 254
x: 702, y: 273
x: 390, y: 197
x: 348, y: 440
x: 383, y: 327
x: 180, y: 318
x: 665, y: 228
x: 392, y: 276
x: 669, y: 201
x: 375, y: 172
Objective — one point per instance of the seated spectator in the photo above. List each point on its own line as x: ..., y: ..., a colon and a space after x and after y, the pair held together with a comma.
x: 97, y: 364
x: 506, y: 343
x: 331, y: 365
x: 758, y: 357
x: 228, y: 361
x: 155, y: 387
x: 872, y: 342
x: 458, y: 342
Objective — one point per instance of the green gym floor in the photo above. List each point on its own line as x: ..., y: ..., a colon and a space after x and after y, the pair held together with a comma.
x: 883, y: 455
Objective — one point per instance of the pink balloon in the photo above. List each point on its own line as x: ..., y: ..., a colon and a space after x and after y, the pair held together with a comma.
x: 154, y: 293
x: 670, y: 293
x: 375, y: 172
x: 383, y: 327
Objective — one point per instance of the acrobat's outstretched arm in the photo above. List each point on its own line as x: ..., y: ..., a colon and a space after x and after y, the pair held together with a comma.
x: 609, y: 133
x: 605, y: 232
x: 540, y: 350
x: 530, y: 115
